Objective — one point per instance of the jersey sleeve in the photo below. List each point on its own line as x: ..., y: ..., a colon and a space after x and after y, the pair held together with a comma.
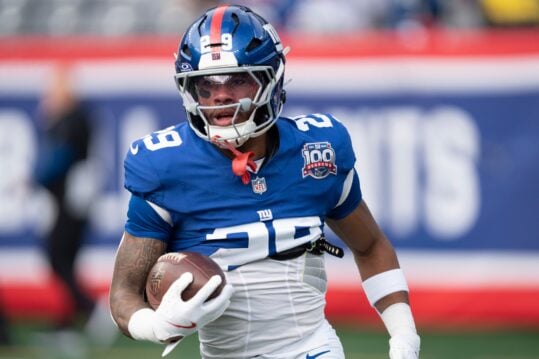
x: 348, y: 187
x: 350, y: 197
x: 144, y: 221
x: 141, y: 178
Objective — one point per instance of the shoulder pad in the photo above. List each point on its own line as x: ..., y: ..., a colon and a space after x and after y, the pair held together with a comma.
x: 319, y: 127
x: 140, y: 176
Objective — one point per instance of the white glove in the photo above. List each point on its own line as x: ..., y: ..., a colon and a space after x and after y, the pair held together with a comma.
x: 404, y: 342
x: 404, y: 346
x: 176, y: 318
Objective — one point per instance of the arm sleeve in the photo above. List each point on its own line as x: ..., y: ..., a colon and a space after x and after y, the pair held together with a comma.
x: 144, y: 221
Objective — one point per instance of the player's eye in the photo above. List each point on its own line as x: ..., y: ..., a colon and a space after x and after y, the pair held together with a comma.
x: 204, y: 92
x: 204, y: 87
x: 243, y: 80
x: 237, y: 82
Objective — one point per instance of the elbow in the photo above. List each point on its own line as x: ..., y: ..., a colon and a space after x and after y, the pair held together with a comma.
x: 368, y: 246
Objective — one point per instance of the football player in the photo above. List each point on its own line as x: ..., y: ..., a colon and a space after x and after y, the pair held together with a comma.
x: 254, y: 191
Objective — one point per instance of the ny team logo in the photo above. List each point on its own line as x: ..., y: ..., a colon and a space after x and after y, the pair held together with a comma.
x: 319, y: 160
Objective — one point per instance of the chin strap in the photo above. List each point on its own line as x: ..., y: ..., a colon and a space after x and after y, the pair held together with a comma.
x: 240, y: 162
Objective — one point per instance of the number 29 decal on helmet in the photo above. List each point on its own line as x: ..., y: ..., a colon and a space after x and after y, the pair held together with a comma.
x: 230, y: 73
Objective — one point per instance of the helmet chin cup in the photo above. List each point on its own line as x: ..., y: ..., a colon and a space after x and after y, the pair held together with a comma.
x: 236, y: 134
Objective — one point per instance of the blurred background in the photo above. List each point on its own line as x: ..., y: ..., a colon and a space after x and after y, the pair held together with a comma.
x: 441, y: 98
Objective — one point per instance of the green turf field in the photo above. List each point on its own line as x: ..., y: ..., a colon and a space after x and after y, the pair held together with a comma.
x: 31, y: 342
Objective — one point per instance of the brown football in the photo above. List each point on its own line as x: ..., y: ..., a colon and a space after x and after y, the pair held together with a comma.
x: 171, y: 266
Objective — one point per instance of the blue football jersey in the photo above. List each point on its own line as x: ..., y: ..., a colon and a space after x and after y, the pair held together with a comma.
x: 185, y: 193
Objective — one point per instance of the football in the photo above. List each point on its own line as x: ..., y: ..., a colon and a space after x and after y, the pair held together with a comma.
x: 171, y: 266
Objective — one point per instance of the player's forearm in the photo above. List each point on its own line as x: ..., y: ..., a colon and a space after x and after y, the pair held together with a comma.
x: 383, y: 281
x: 134, y: 259
x: 390, y: 299
x: 122, y: 306
x: 387, y: 291
x: 378, y: 258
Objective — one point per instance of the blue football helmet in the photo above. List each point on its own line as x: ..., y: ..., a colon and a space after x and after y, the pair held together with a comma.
x: 231, y: 42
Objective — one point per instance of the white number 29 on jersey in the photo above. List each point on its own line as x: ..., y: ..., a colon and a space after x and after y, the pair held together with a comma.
x: 317, y: 120
x: 263, y: 239
x: 167, y: 137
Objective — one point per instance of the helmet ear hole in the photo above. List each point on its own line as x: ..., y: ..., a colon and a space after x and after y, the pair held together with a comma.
x: 253, y: 45
x: 186, y: 50
x: 236, y: 19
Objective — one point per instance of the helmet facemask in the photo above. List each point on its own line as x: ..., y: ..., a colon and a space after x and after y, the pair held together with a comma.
x: 196, y: 87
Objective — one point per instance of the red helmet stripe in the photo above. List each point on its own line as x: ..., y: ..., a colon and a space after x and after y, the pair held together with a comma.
x: 215, y: 28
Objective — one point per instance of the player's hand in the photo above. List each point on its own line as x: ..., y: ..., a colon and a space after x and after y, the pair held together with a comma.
x: 404, y: 346
x: 176, y: 318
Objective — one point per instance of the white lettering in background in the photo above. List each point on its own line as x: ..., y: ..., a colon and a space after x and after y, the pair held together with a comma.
x: 402, y: 170
x: 451, y: 151
x: 109, y: 210
x: 21, y: 204
x: 418, y: 167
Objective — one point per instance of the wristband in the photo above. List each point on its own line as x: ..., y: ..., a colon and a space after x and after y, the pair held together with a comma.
x: 382, y: 284
x: 398, y: 319
x: 140, y: 325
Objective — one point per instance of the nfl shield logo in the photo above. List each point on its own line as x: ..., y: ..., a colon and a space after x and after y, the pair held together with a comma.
x: 259, y: 185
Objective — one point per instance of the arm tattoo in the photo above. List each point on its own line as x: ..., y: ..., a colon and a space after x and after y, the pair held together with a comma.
x: 139, y: 260
x: 134, y: 260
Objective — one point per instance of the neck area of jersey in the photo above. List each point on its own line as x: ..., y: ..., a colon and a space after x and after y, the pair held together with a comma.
x: 242, y: 161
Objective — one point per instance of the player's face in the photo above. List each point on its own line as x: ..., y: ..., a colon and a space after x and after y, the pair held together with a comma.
x: 226, y: 89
